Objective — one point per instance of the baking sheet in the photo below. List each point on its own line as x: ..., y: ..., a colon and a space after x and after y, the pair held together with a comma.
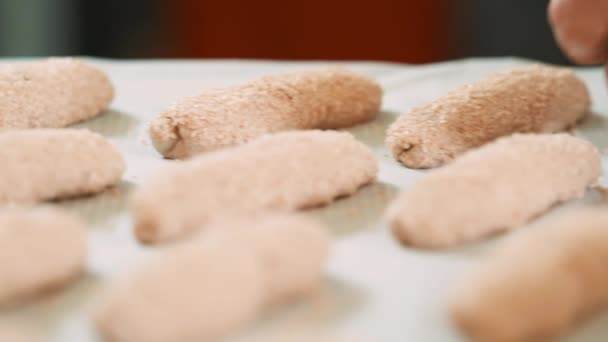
x: 374, y: 289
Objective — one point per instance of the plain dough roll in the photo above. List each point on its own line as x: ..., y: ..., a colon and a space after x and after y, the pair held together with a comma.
x: 497, y: 187
x: 53, y: 93
x: 531, y: 99
x: 282, y: 171
x: 539, y: 283
x: 217, y: 283
x: 44, y: 164
x: 195, y: 292
x: 292, y: 250
x: 10, y: 333
x: 323, y: 99
x: 40, y: 249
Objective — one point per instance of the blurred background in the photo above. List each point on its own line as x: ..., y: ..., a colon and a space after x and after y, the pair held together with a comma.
x: 410, y: 31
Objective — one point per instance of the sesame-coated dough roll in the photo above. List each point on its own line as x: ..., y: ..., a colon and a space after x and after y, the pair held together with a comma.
x: 40, y: 249
x: 192, y: 292
x: 539, y: 283
x: 217, y: 283
x: 282, y: 171
x: 12, y: 333
x: 531, y: 99
x: 325, y: 98
x: 291, y: 248
x: 53, y: 93
x: 43, y: 164
x: 497, y: 187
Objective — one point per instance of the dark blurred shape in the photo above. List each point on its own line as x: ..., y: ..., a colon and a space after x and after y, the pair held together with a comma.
x: 412, y: 31
x: 511, y: 28
x: 392, y: 30
x: 123, y: 29
x: 38, y: 27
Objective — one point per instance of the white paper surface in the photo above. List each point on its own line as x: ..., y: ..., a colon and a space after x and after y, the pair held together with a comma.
x: 374, y: 289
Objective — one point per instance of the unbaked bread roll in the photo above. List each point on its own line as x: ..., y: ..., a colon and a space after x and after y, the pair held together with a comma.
x: 282, y: 171
x: 217, y: 283
x: 291, y: 248
x: 52, y: 93
x: 41, y: 249
x: 217, y: 118
x: 539, y: 283
x: 10, y: 333
x: 498, y: 187
x: 43, y: 164
x: 540, y: 99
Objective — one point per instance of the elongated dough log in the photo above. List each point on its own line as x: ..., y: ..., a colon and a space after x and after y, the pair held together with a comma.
x: 497, y: 187
x: 539, y: 283
x: 9, y: 333
x: 43, y: 164
x: 217, y: 118
x: 291, y: 248
x: 40, y: 249
x: 216, y: 283
x: 51, y: 94
x: 283, y: 171
x: 532, y: 99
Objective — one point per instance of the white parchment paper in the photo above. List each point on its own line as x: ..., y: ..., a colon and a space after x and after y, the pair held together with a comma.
x: 374, y: 289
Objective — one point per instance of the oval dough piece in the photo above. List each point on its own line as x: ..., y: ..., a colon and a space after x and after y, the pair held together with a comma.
x: 282, y: 171
x: 43, y: 164
x: 11, y: 333
x: 531, y: 99
x: 497, y: 187
x: 539, y: 283
x: 41, y: 249
x: 193, y: 292
x: 217, y: 118
x: 53, y: 93
x: 291, y: 248
x: 215, y: 284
